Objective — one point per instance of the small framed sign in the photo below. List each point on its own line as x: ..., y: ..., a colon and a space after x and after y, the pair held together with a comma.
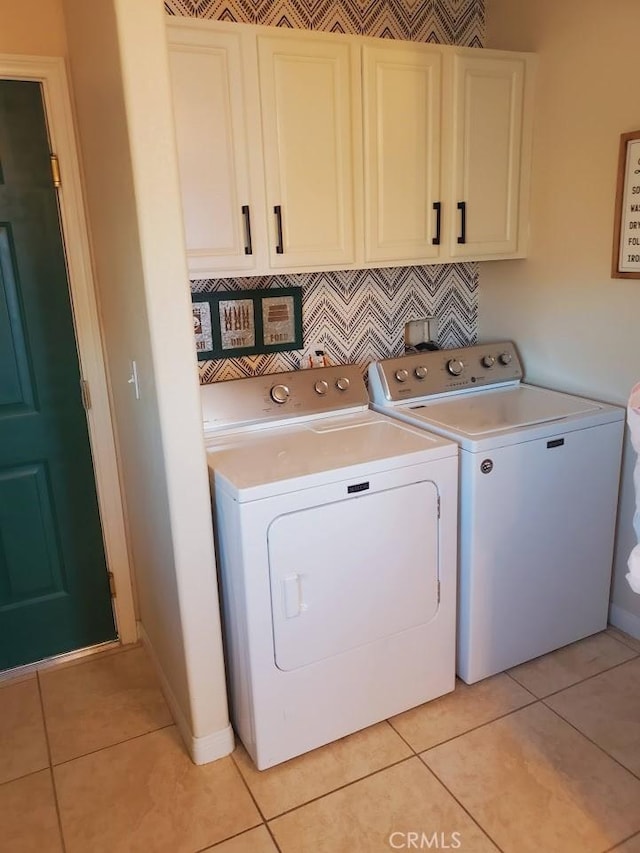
x: 626, y: 230
x: 234, y: 323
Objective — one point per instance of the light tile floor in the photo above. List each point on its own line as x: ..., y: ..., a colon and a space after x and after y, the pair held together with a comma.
x: 543, y: 759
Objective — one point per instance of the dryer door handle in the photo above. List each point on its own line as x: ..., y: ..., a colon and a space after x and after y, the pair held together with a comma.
x: 293, y: 601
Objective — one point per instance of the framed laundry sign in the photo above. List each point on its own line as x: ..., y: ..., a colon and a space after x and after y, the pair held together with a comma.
x: 233, y: 323
x: 626, y: 230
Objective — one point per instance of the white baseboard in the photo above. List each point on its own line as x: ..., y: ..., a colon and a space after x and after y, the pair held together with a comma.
x: 626, y: 621
x: 204, y: 749
x: 211, y: 747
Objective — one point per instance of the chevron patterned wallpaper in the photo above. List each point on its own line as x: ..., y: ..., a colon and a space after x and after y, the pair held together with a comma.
x: 439, y: 21
x: 357, y: 316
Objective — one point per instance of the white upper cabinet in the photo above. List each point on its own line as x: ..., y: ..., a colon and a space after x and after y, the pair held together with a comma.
x: 302, y: 151
x: 446, y: 153
x: 489, y: 174
x: 221, y: 198
x: 306, y: 86
x: 402, y: 138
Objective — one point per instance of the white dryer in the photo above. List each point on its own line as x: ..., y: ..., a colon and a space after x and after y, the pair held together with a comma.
x: 539, y: 474
x: 336, y: 544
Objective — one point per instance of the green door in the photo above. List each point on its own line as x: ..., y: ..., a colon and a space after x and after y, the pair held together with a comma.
x: 54, y: 591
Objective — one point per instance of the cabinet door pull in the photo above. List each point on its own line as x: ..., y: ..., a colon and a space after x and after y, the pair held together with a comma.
x: 462, y: 207
x: 278, y: 212
x: 248, y: 249
x: 437, y: 206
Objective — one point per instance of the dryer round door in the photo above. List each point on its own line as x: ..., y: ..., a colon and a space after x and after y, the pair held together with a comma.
x: 352, y: 572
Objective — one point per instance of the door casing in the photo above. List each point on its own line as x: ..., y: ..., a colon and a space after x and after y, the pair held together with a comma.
x: 50, y: 73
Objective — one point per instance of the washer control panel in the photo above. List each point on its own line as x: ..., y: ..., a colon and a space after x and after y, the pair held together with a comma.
x: 277, y: 396
x: 442, y: 371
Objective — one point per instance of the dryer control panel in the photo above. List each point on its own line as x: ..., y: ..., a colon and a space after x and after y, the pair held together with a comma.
x: 444, y: 371
x: 279, y: 396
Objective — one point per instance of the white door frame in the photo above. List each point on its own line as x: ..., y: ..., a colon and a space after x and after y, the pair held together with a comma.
x: 51, y: 74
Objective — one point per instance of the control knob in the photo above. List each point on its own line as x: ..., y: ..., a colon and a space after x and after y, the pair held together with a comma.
x: 504, y: 358
x: 421, y: 371
x: 321, y: 387
x: 279, y: 394
x: 402, y: 375
x: 455, y: 366
x: 342, y: 383
x: 488, y: 361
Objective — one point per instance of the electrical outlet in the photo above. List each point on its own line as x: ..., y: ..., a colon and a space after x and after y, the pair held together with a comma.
x: 421, y: 331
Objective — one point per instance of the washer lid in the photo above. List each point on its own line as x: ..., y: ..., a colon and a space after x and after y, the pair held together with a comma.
x: 274, y: 460
x: 486, y: 412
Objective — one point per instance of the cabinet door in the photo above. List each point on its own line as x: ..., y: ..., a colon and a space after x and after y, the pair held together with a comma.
x: 209, y: 95
x: 307, y: 102
x: 401, y: 92
x: 487, y: 153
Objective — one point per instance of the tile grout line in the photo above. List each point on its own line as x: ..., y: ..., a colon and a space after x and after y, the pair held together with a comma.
x: 402, y: 738
x: 272, y: 836
x: 624, y: 641
x: 515, y: 681
x: 230, y: 838
x: 624, y: 841
x: 440, y: 782
x: 111, y: 745
x: 265, y: 822
x: 339, y: 787
x: 538, y: 700
x: 51, y: 773
x: 589, y: 677
x: 462, y: 806
x: 533, y: 701
x: 635, y: 656
x: 353, y: 782
x: 346, y: 785
x: 414, y: 754
x: 24, y: 776
x: 593, y: 742
x: 542, y: 699
x: 627, y: 644
x: 332, y: 790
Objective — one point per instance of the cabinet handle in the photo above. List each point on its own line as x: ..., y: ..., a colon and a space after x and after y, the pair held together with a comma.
x: 278, y: 212
x: 248, y: 249
x: 437, y: 206
x: 462, y: 207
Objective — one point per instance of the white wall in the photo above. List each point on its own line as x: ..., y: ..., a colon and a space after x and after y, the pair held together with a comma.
x: 578, y: 329
x: 119, y: 71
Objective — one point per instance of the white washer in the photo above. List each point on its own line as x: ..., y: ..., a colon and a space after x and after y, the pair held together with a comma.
x: 539, y: 476
x: 336, y: 540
